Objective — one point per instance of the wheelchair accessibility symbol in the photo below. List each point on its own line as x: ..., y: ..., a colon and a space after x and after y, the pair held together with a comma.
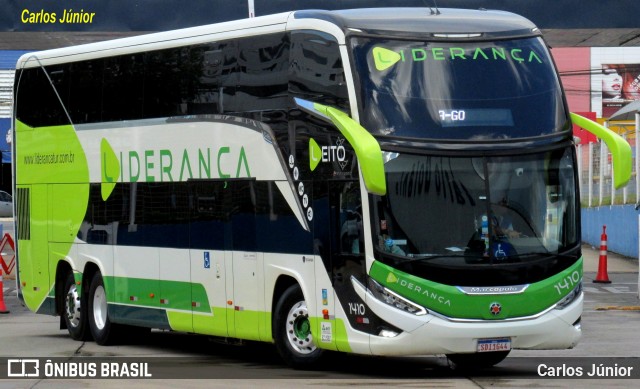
x: 499, y: 253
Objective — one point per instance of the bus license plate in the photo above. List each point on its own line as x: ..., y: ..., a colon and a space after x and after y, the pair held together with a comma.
x: 489, y: 345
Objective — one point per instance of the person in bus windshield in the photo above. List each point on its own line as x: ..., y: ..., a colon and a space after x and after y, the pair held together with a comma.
x: 388, y: 244
x: 501, y: 221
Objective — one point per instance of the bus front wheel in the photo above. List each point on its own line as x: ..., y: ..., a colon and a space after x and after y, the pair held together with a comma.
x: 103, y: 331
x: 292, y: 330
x: 75, y: 317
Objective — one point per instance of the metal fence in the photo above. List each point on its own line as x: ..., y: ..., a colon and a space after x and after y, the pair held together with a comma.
x: 596, y: 177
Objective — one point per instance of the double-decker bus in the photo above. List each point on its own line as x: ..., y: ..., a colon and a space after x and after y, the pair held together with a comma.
x: 378, y: 181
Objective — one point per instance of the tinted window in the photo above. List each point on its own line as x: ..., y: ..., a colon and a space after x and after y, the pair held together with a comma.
x: 262, y: 77
x: 123, y: 87
x: 37, y: 103
x: 243, y: 215
x: 85, y: 91
x: 164, y: 82
x: 317, y: 70
x: 211, y: 78
x: 443, y: 90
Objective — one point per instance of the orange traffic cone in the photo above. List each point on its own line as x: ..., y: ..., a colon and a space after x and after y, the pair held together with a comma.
x: 602, y: 276
x: 3, y: 308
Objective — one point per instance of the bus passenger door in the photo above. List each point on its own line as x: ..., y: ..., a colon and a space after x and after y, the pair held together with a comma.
x: 208, y: 233
x: 347, y: 251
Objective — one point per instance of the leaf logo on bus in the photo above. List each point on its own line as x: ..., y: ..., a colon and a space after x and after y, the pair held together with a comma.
x: 110, y: 169
x: 315, y: 154
x: 385, y: 58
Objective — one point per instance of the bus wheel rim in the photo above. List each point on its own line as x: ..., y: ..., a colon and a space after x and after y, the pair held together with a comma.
x: 299, y: 329
x: 72, y: 306
x: 100, y: 307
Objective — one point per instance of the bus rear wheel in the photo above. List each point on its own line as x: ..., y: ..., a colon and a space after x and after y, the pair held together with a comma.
x: 292, y: 330
x: 104, y: 332
x: 476, y: 361
x: 75, y: 318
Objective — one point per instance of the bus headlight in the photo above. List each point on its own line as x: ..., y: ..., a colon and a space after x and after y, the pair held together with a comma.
x: 568, y: 299
x: 390, y: 298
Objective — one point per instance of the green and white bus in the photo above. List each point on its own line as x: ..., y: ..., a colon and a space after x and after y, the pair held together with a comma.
x: 391, y: 181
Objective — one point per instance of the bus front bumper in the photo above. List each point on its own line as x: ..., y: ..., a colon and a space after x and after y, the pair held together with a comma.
x: 433, y: 334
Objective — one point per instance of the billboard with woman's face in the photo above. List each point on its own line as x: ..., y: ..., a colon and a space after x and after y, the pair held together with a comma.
x: 620, y: 86
x: 615, y: 78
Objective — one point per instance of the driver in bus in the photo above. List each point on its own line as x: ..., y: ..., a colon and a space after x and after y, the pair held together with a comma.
x: 503, y: 227
x: 386, y: 243
x: 501, y: 221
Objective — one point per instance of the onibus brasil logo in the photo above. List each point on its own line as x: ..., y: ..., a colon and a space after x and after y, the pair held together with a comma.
x: 384, y: 58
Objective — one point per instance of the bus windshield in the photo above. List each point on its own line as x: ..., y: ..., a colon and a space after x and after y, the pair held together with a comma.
x: 463, y: 91
x: 476, y: 210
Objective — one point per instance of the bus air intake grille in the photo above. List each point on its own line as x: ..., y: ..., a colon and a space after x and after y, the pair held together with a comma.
x: 24, y: 213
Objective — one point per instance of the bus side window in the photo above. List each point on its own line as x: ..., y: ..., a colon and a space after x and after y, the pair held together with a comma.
x: 85, y: 91
x: 263, y: 64
x: 164, y: 79
x: 209, y: 215
x: 316, y: 69
x: 211, y: 86
x: 43, y: 108
x: 123, y: 88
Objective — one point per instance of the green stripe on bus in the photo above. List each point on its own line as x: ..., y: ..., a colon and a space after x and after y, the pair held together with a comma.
x: 179, y: 295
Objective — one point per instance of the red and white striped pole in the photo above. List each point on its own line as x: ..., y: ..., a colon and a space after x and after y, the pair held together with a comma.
x: 3, y: 307
x: 602, y: 276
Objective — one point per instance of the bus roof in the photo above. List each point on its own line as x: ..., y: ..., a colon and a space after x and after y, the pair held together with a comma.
x: 396, y: 22
x: 157, y: 41
x: 420, y: 21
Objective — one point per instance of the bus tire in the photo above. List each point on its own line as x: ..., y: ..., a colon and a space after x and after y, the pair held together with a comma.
x: 103, y: 331
x: 292, y: 330
x: 477, y: 360
x: 75, y: 318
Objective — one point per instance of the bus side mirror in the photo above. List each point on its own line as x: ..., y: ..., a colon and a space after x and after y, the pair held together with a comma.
x: 366, y: 147
x: 620, y: 149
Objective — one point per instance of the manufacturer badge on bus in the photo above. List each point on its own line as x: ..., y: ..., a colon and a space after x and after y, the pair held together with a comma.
x: 495, y: 309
